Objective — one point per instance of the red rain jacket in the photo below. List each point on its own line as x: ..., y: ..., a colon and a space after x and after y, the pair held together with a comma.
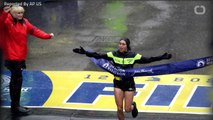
x: 13, y: 36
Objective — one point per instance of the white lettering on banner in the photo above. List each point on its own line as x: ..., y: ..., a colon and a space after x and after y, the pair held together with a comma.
x: 144, y: 71
x: 209, y: 61
x: 114, y: 70
x: 23, y: 89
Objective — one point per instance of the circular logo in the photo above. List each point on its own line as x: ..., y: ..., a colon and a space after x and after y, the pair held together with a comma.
x: 36, y: 88
x: 200, y: 63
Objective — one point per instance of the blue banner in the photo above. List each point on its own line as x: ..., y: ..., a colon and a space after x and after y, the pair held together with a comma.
x: 169, y: 68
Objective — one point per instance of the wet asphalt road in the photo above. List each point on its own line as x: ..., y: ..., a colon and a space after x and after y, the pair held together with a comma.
x: 154, y: 27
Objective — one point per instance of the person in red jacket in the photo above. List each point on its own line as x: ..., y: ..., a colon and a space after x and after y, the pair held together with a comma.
x: 14, y: 30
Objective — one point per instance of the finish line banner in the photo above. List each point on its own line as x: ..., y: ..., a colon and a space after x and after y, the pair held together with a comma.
x: 89, y: 90
x: 169, y: 68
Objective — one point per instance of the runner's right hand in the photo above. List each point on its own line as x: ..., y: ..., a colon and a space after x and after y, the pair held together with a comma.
x: 166, y: 56
x: 79, y: 50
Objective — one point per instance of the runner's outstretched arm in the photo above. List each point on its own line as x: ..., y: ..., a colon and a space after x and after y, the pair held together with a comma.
x: 153, y: 59
x: 96, y: 55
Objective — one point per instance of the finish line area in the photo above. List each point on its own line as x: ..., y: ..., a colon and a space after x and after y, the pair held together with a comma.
x: 71, y: 88
x: 92, y: 93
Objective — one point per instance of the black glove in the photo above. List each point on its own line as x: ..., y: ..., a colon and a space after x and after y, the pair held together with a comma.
x: 79, y: 50
x: 166, y: 56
